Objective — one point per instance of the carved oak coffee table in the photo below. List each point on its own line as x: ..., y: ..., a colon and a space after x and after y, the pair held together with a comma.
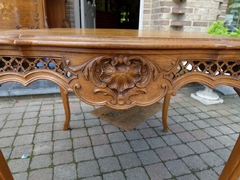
x: 118, y: 68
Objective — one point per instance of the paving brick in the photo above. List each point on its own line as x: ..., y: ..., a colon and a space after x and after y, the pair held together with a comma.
x: 41, y: 161
x: 62, y: 157
x: 218, y: 169
x: 211, y: 159
x: 94, y: 178
x: 185, y: 137
x: 87, y: 169
x: 6, y: 152
x: 158, y: 171
x: 213, y: 114
x: 212, y: 131
x: 139, y: 145
x: 44, y: 127
x: 225, y: 140
x: 15, y: 116
x: 224, y: 129
x: 6, y: 142
x: 92, y: 122
x: 166, y: 153
x: 83, y: 154
x: 32, y: 108
x: 78, y: 132
x: 171, y: 139
x: 99, y: 139
x: 175, y: 128
x: 201, y: 124
x: 224, y: 120
x: 66, y: 171
x: 189, y: 126
x: 118, y: 175
x: 133, y: 134
x: 154, y: 123
x: 198, y: 147
x: 202, y: 115
x: 87, y: 108
x: 148, y: 157
x: 42, y: 137
x: 212, y: 143
x: 46, y: 174
x: 61, y: 135
x: 136, y: 173
x: 129, y: 160
x: 207, y: 174
x: 223, y: 153
x: 102, y: 151
x: 6, y: 132
x: 81, y: 142
x: 116, y: 137
x: 18, y: 151
x: 191, y: 117
x: 234, y: 118
x: 18, y: 110
x: 45, y: 119
x: 172, y: 112
x: 199, y: 134
x: 193, y: 109
x: 179, y: 119
x: 18, y: 165
x: 29, y: 122
x: 43, y: 148
x: 156, y: 142
x: 235, y: 127
x: 182, y: 150
x: 12, y: 123
x: 142, y: 125
x: 95, y: 130
x: 45, y: 115
x: 108, y: 128
x: 187, y: 177
x: 21, y: 176
x: 23, y: 139
x: 27, y: 130
x: 121, y: 148
x: 195, y: 163
x: 28, y: 115
x: 89, y: 115
x: 109, y: 164
x: 213, y: 122
x: 61, y: 145
x: 177, y: 167
x: 182, y: 111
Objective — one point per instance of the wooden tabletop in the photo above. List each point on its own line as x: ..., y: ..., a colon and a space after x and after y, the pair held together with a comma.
x: 117, y: 38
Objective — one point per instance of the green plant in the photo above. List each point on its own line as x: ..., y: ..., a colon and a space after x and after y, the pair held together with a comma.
x: 218, y: 28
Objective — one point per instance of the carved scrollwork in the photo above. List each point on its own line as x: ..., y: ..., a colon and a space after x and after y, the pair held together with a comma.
x: 211, y: 68
x: 120, y: 76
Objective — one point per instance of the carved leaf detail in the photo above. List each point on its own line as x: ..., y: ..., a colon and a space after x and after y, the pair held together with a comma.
x: 120, y: 76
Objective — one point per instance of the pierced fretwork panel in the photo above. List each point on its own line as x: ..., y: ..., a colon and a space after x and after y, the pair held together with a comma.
x: 25, y: 65
x: 212, y: 68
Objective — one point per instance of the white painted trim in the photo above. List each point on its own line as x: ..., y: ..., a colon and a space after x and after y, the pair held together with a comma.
x: 140, y: 22
x: 77, y: 19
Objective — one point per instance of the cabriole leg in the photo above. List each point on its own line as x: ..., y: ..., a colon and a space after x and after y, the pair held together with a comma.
x: 65, y: 100
x: 165, y: 111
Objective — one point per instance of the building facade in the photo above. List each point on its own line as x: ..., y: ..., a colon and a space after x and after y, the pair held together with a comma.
x: 181, y: 15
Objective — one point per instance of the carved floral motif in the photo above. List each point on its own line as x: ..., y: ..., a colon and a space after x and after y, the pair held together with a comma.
x: 120, y: 76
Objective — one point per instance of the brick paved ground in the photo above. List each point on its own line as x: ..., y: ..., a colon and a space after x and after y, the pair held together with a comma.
x: 197, y: 145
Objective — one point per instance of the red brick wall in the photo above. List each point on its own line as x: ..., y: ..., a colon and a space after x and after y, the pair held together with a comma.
x: 188, y: 15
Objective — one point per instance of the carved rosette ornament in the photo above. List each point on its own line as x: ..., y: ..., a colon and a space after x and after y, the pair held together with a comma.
x: 120, y: 76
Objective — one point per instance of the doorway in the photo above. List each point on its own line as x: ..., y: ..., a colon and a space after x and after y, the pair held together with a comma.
x: 119, y: 14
